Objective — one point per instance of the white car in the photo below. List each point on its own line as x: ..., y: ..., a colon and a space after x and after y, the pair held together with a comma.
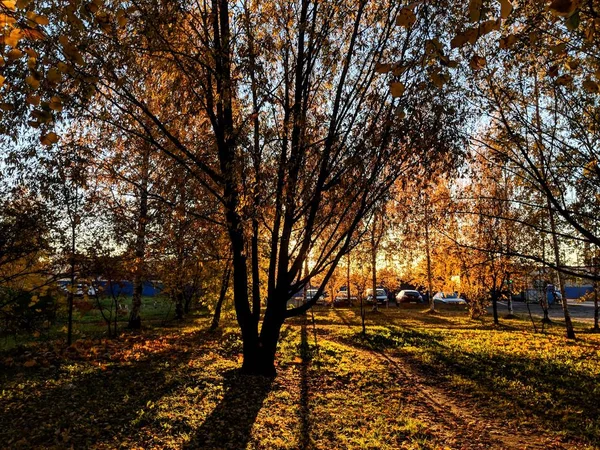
x: 449, y: 298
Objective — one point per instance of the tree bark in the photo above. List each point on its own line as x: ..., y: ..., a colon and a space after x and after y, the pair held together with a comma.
x: 561, y: 282
x: 495, y: 305
x: 219, y: 306
x: 428, y: 257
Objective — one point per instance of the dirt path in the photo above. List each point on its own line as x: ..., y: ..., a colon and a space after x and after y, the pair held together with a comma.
x: 457, y: 420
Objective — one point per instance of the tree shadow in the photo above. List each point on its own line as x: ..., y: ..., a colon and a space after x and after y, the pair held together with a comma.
x: 305, y: 424
x: 89, y: 408
x: 230, y: 423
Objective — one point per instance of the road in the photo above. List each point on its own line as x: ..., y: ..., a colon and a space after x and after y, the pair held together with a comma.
x: 583, y: 312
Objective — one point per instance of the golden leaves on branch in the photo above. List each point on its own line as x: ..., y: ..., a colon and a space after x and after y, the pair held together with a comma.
x: 470, y: 35
x: 71, y: 51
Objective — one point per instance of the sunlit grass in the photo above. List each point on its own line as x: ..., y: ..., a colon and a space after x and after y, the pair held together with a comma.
x: 336, y: 388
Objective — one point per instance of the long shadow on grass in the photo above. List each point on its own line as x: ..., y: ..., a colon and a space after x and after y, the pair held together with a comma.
x: 230, y: 423
x: 97, y: 407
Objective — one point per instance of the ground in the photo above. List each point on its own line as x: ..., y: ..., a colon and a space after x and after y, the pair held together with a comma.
x: 415, y: 381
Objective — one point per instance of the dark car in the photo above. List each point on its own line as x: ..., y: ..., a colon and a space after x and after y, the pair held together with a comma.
x: 407, y: 296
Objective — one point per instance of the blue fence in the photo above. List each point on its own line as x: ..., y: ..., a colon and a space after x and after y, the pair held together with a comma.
x: 124, y: 287
x: 577, y: 291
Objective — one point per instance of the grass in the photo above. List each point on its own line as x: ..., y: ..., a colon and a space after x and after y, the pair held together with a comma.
x: 415, y: 381
x: 89, y: 323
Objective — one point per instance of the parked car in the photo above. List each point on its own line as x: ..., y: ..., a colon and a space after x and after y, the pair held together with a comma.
x: 298, y: 298
x: 310, y: 293
x: 449, y: 298
x: 341, y: 299
x: 381, y: 295
x: 407, y: 296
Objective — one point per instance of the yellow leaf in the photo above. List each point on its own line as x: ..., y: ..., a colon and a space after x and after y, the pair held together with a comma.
x: 33, y: 100
x: 382, y: 68
x: 475, y: 9
x: 56, y: 104
x: 397, y: 89
x: 32, y: 81
x: 13, y: 38
x: 572, y: 64
x: 7, y: 107
x: 31, y: 52
x: 553, y: 71
x: 508, y: 41
x: 564, y: 80
x: 406, y: 18
x: 22, y: 4
x: 459, y: 40
x: 53, y: 75
x: 2, y: 80
x: 7, y: 20
x: 564, y: 8
x: 488, y: 26
x: 477, y: 62
x: 122, y: 21
x: 591, y: 87
x: 13, y: 54
x: 41, y: 20
x: 49, y: 139
x: 9, y: 4
x: 559, y: 49
x: 506, y: 8
x: 64, y: 68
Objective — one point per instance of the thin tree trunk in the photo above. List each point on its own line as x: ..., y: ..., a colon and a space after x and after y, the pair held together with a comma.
x: 596, y: 307
x: 428, y: 257
x: 510, y: 303
x: 348, y: 278
x: 561, y: 282
x: 374, y: 269
x: 135, y: 319
x: 495, y: 305
x: 72, y: 287
x: 223, y: 291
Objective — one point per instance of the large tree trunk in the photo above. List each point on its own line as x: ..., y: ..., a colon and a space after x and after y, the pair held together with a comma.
x: 259, y: 355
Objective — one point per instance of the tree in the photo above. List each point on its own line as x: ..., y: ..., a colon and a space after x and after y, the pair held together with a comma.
x: 314, y: 113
